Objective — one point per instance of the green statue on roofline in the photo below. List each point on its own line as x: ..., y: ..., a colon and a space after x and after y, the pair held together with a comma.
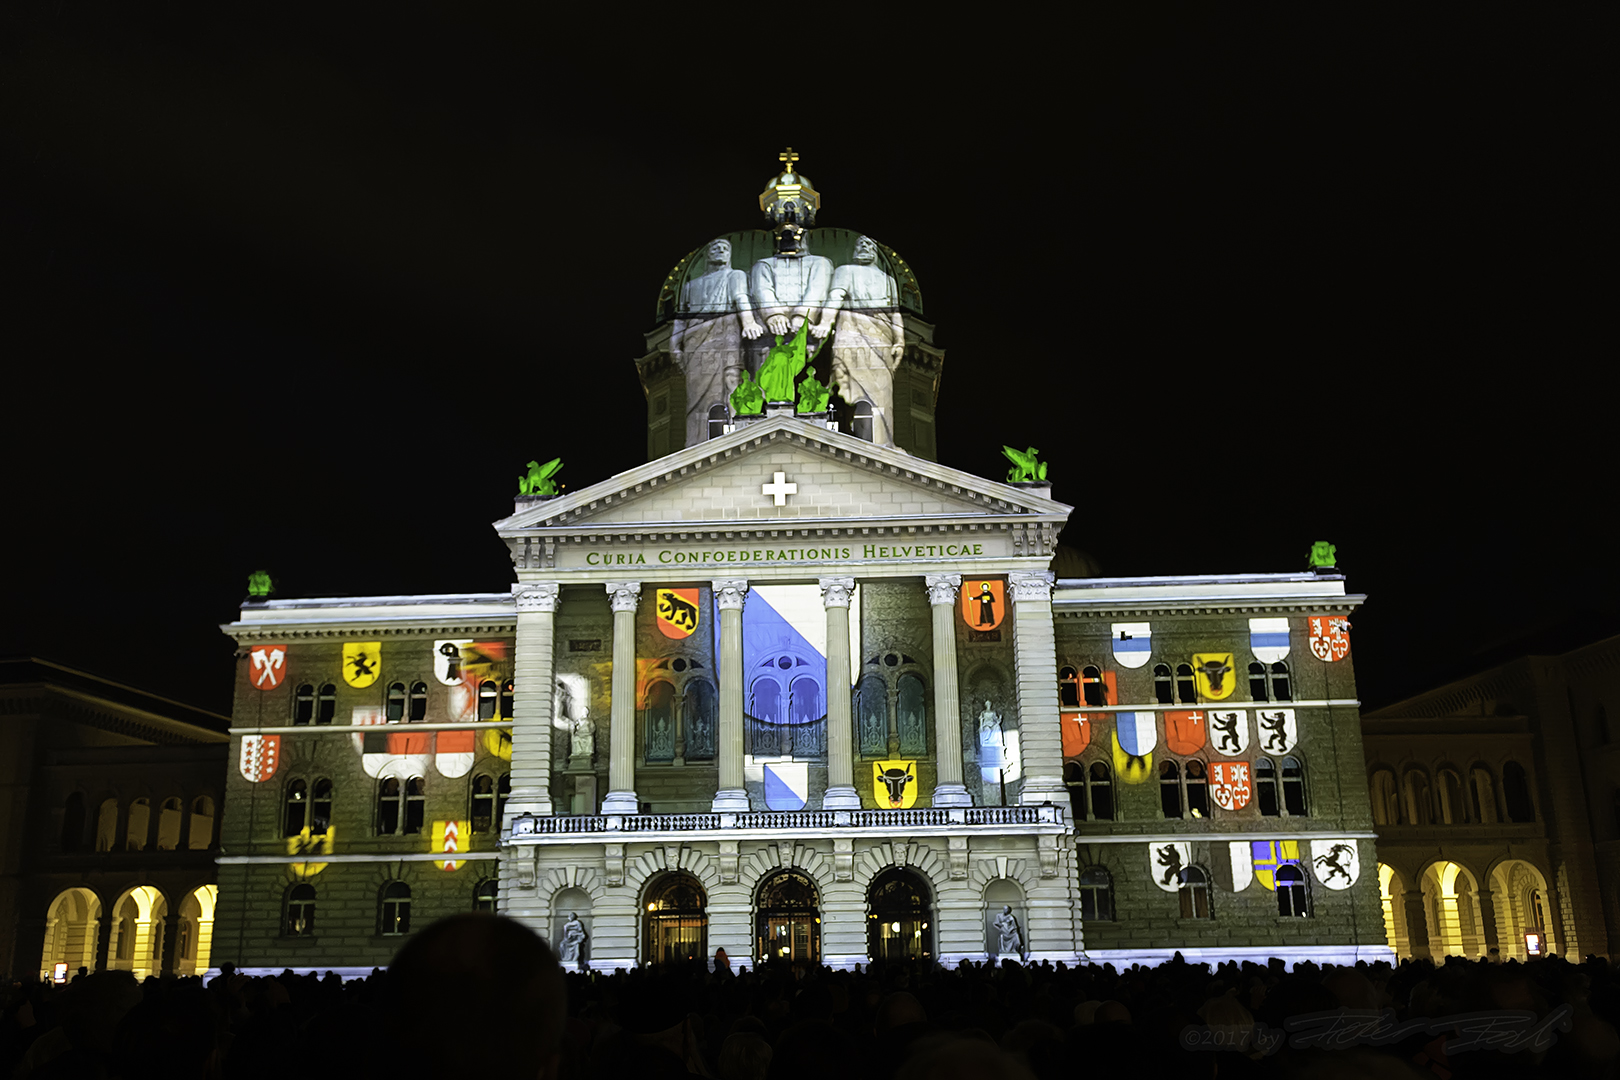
x: 259, y: 585
x: 747, y: 400
x: 1026, y: 469
x: 784, y: 363
x: 1324, y: 555
x: 539, y: 481
x: 813, y: 397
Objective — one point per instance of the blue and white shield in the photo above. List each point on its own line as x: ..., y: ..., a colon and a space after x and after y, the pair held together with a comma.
x: 1138, y: 732
x: 1268, y: 639
x: 1133, y: 643
x: 787, y: 785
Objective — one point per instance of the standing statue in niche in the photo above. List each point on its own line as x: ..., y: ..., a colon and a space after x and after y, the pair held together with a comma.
x: 572, y: 947
x: 863, y: 305
x: 582, y: 740
x: 991, y: 746
x: 788, y: 292
x: 1011, y: 940
x: 713, y: 319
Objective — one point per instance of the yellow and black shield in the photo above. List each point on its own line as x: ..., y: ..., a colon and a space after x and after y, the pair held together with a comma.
x: 1215, y: 674
x: 677, y: 612
x: 894, y: 784
x: 362, y: 662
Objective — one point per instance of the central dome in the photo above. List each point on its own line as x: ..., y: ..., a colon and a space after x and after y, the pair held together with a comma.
x: 752, y: 245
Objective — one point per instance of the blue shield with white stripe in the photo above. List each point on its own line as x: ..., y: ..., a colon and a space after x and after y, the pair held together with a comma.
x: 787, y: 785
x: 1268, y: 639
x: 1138, y: 732
x: 1133, y: 643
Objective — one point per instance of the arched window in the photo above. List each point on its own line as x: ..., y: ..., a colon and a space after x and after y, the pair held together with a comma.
x: 73, y: 822
x: 396, y: 908
x: 297, y: 815
x: 701, y: 711
x: 872, y: 719
x: 898, y: 921
x: 1169, y: 789
x: 1482, y: 795
x: 1257, y: 683
x: 1068, y: 688
x: 1074, y: 778
x: 1419, y: 800
x: 676, y: 923
x: 484, y: 895
x: 396, y: 703
x: 1096, y: 894
x: 389, y: 792
x: 107, y: 825
x: 483, y: 803
x: 718, y: 418
x: 1281, y: 690
x: 660, y: 721
x: 507, y: 688
x: 170, y: 818
x: 1385, y: 802
x: 1293, y: 786
x: 912, y: 710
x: 201, y: 837
x: 1194, y: 893
x: 1265, y: 786
x: 768, y: 700
x: 1291, y: 892
x: 1094, y: 688
x: 140, y: 821
x: 300, y: 920
x: 415, y: 804
x: 303, y: 704
x: 416, y: 710
x: 1164, y: 687
x: 326, y: 704
x: 788, y: 923
x: 320, y: 807
x: 1516, y: 793
x: 1453, y: 810
x: 503, y: 790
x: 862, y: 423
x: 1101, y: 790
x: 1186, y: 688
x: 488, y: 700
x: 1197, y: 789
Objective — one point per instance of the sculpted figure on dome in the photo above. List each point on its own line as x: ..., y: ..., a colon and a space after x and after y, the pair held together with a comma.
x: 712, y: 321
x: 788, y: 292
x: 863, y: 305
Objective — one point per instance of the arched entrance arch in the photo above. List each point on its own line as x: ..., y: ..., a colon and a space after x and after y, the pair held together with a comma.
x: 1392, y: 896
x: 1523, y: 903
x: 787, y: 918
x: 136, y: 944
x: 899, y: 919
x: 196, y: 930
x: 1451, y: 906
x: 675, y: 920
x: 73, y: 924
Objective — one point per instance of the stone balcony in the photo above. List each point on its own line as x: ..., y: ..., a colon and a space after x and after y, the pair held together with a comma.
x: 613, y: 828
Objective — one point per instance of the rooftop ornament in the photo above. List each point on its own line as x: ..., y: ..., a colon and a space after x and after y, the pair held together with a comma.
x: 747, y: 400
x: 539, y: 481
x: 259, y: 585
x: 1323, y: 555
x: 813, y: 397
x: 789, y: 204
x: 1025, y: 470
x: 785, y: 362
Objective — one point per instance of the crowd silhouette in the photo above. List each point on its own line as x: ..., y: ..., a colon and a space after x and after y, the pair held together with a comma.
x: 481, y: 996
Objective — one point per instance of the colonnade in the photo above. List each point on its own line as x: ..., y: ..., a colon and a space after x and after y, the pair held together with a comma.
x: 534, y: 669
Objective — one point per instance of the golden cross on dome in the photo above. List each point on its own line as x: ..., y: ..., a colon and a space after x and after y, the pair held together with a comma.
x: 787, y: 158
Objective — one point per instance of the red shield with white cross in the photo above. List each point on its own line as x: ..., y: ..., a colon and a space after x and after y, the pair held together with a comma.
x: 1229, y: 784
x: 267, y: 666
x: 260, y: 756
x: 1330, y: 637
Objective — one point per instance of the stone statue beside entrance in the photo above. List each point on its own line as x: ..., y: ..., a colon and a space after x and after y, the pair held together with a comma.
x: 713, y: 320
x: 1009, y: 940
x: 571, y: 950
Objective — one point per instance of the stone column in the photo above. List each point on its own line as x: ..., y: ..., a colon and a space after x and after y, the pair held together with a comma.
x: 532, y: 694
x: 948, y: 787
x: 621, y: 796
x: 1040, y: 737
x: 1417, y: 925
x: 1487, y: 926
x: 169, y: 945
x: 103, y: 940
x: 730, y: 595
x: 841, y: 794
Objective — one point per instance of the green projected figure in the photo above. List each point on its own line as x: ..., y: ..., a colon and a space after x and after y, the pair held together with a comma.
x: 539, y: 481
x: 783, y: 365
x: 1322, y: 554
x: 747, y: 400
x: 1025, y: 468
x: 813, y: 396
x: 260, y: 585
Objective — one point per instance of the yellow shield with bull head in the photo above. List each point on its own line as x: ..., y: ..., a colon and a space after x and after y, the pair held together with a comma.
x: 894, y: 784
x: 1215, y: 674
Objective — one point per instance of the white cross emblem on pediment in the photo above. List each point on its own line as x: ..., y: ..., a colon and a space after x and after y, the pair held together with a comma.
x: 780, y: 489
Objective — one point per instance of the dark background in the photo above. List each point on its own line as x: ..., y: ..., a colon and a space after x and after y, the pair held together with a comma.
x: 303, y: 289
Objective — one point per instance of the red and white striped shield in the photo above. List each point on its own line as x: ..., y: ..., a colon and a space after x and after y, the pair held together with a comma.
x: 260, y: 756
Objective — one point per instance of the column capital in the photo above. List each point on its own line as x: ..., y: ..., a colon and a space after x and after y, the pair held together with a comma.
x: 835, y: 591
x: 1031, y: 586
x: 536, y: 595
x: 942, y: 588
x: 624, y: 595
x: 730, y: 594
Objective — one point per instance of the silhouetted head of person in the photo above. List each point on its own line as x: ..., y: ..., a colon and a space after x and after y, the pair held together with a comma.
x: 488, y: 958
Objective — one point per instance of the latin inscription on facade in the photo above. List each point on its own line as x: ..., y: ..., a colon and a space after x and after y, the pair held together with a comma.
x: 771, y: 555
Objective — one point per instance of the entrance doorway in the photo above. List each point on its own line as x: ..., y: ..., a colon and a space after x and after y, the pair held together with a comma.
x: 788, y: 923
x: 677, y: 927
x: 898, y: 923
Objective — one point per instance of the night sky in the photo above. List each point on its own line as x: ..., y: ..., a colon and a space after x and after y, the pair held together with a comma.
x: 294, y: 293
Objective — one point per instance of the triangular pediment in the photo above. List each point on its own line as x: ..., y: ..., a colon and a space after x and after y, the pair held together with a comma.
x: 826, y: 477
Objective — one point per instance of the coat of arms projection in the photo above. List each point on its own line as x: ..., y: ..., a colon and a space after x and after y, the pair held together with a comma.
x: 678, y: 613
x: 362, y: 663
x: 1269, y: 856
x: 1335, y: 863
x: 1166, y: 861
x: 1133, y: 643
x: 984, y: 602
x: 1229, y: 731
x: 260, y: 756
x: 894, y: 784
x: 1230, y: 784
x: 1184, y: 731
x: 1213, y: 672
x: 1279, y: 731
x: 267, y: 666
x: 1268, y: 639
x: 1330, y: 637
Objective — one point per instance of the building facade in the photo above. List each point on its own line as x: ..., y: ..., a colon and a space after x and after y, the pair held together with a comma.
x: 1496, y: 799
x: 111, y: 799
x: 794, y: 690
